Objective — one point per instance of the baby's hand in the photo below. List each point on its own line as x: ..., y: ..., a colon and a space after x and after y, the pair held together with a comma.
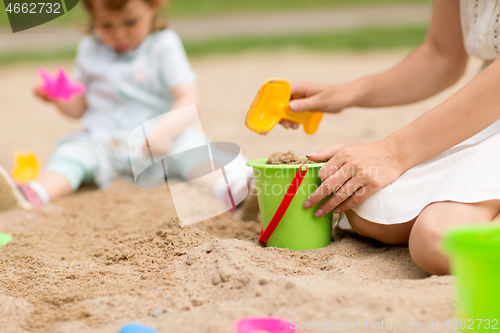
x: 38, y: 92
x: 159, y: 143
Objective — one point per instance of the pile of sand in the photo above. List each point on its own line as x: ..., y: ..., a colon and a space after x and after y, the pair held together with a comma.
x: 96, y: 260
x: 280, y: 158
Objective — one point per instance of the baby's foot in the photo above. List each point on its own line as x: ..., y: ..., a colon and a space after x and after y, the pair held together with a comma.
x: 13, y: 195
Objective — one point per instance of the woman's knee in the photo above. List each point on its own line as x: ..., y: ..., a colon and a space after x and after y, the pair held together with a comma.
x: 432, y: 223
x: 425, y: 245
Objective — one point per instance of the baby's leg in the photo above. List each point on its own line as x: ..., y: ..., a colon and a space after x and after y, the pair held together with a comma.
x: 428, y: 230
x: 394, y: 234
x: 55, y: 184
x: 72, y: 163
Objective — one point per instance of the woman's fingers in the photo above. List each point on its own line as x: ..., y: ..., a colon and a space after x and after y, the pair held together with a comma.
x: 303, y: 89
x: 298, y: 89
x: 353, y: 173
x: 342, y: 194
x: 355, y: 199
x: 288, y: 124
x: 335, y: 160
x: 305, y: 95
x: 303, y: 104
x: 330, y: 185
x: 325, y: 153
x: 285, y: 123
x: 314, y: 96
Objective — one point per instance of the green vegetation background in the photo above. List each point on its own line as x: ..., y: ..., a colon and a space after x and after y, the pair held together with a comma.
x: 360, y: 39
x: 186, y: 8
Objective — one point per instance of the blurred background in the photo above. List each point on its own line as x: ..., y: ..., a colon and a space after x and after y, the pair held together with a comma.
x: 233, y: 46
x: 222, y: 26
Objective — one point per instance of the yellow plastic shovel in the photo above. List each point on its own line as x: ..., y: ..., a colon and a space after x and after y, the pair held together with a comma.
x: 272, y: 104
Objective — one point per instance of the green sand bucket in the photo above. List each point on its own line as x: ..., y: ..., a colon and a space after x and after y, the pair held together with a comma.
x: 298, y: 228
x: 4, y: 239
x: 474, y: 252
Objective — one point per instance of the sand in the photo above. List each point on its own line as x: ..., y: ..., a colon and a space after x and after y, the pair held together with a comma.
x: 95, y: 260
x: 289, y: 157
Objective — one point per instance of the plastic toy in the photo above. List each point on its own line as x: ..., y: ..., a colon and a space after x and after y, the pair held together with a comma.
x: 285, y: 222
x: 272, y: 104
x: 59, y: 86
x: 137, y: 328
x: 4, y: 239
x: 474, y: 252
x: 26, y: 167
x: 262, y: 324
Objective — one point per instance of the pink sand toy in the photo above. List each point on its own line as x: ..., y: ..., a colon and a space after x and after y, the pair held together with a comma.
x: 262, y: 325
x: 59, y: 86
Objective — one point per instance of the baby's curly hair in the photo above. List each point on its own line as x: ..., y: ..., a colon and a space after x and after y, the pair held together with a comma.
x: 160, y: 21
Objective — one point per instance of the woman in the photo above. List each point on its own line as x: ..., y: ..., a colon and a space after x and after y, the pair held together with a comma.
x: 441, y: 169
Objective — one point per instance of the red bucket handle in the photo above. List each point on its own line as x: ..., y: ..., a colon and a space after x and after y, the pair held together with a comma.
x: 292, y: 190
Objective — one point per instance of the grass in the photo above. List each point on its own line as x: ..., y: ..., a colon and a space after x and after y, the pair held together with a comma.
x: 35, y: 57
x: 362, y: 39
x: 187, y: 8
x: 211, y: 7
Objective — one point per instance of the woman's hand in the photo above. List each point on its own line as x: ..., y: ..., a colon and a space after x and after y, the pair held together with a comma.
x: 354, y: 172
x: 322, y: 97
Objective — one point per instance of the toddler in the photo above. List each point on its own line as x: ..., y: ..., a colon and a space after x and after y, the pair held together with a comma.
x: 134, y: 70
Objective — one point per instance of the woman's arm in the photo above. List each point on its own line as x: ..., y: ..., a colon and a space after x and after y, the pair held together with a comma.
x: 435, y: 65
x: 359, y: 170
x: 173, y: 123
x: 73, y: 109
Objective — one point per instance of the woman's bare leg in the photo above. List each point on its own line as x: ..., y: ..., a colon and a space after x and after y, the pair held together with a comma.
x: 394, y: 234
x: 434, y: 220
x: 496, y: 219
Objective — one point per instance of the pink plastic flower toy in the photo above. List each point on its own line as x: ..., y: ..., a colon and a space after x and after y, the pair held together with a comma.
x: 262, y: 325
x: 59, y: 86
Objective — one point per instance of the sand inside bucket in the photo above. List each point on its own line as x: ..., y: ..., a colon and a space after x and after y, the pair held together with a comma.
x: 281, y: 158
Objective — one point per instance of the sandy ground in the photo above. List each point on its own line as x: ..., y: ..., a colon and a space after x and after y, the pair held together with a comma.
x: 96, y: 260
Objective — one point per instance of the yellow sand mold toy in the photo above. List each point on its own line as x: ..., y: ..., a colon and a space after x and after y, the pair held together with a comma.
x: 272, y: 104
x: 26, y: 167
